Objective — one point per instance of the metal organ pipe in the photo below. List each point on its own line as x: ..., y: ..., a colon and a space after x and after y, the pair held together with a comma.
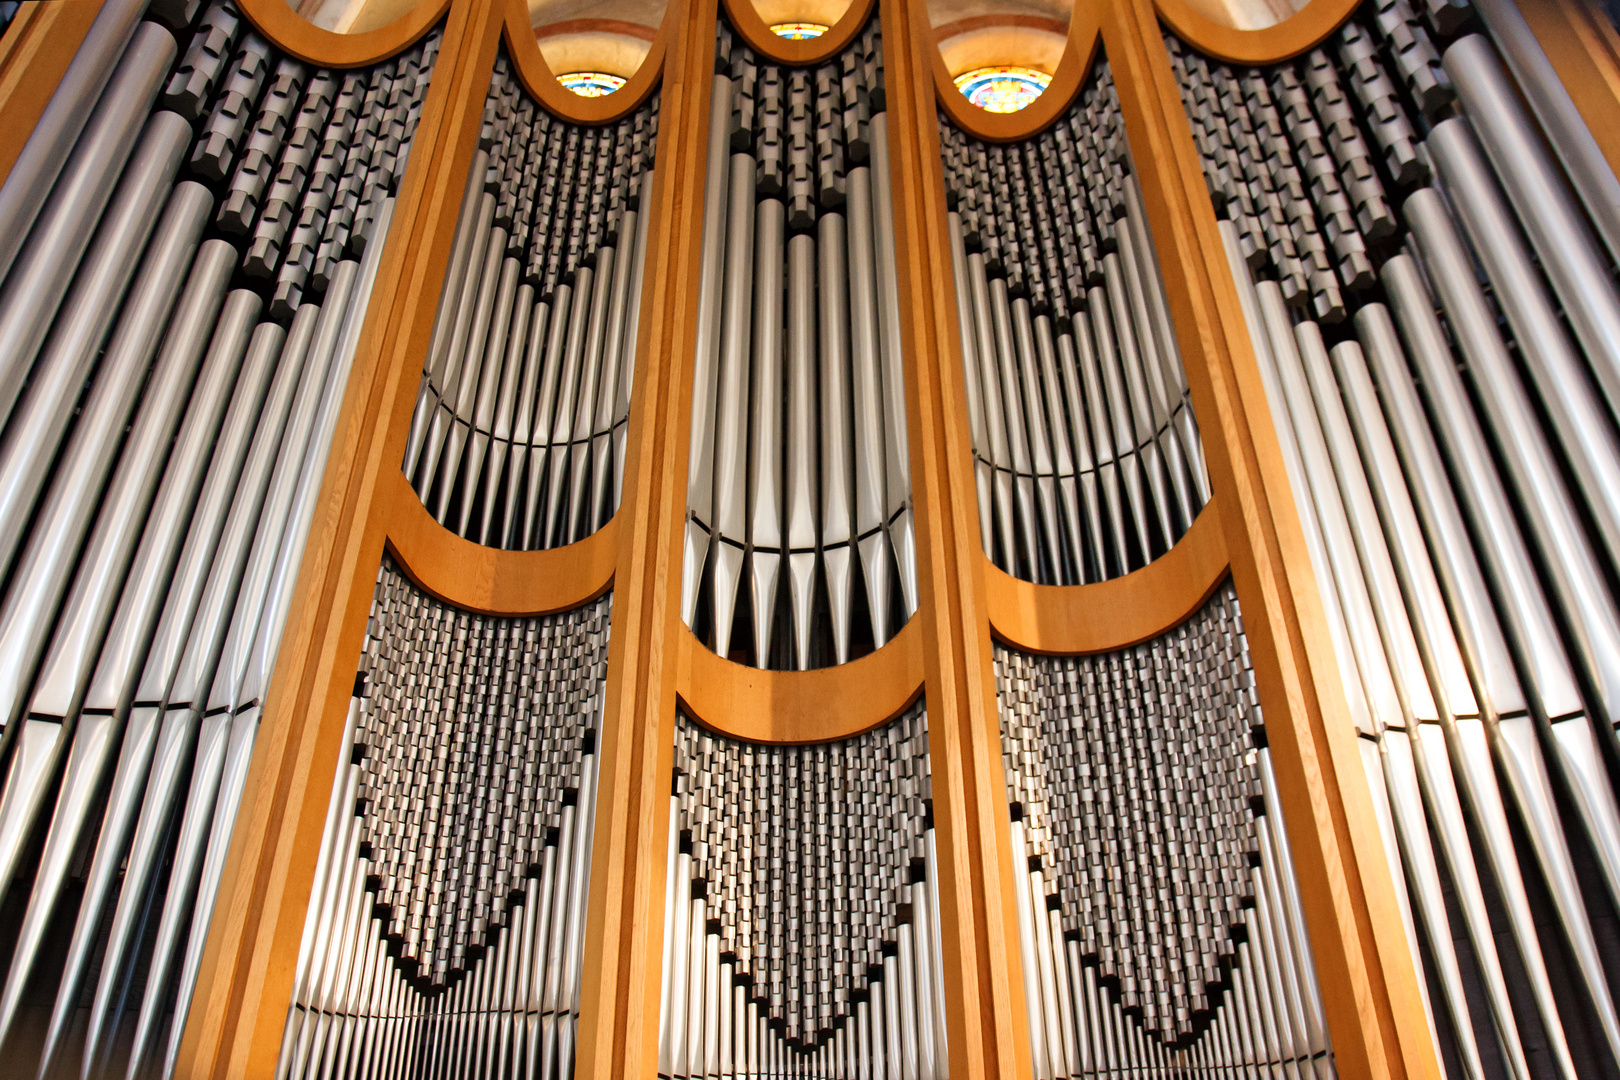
x: 1472, y: 489
x: 518, y: 436
x: 146, y: 415
x: 798, y: 345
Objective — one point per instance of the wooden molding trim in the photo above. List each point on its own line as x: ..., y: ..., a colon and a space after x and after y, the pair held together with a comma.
x: 35, y: 53
x: 1067, y: 620
x: 1370, y: 988
x: 946, y: 31
x: 595, y: 26
x: 745, y: 19
x: 488, y: 580
x: 801, y: 706
x: 1584, y: 49
x: 1298, y: 33
x: 523, y: 49
x: 619, y: 992
x: 294, y: 34
x: 1041, y: 113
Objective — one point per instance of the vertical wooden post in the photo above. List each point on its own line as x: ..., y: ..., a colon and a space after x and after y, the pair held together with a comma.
x: 986, y: 1020
x: 619, y: 992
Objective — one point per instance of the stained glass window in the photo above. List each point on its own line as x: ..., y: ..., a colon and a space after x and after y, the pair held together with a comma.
x: 590, y: 83
x: 798, y: 31
x: 1002, y: 89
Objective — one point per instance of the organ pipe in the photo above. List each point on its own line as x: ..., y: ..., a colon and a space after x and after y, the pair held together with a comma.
x: 191, y: 237
x: 1429, y: 301
x: 1160, y: 923
x: 799, y: 464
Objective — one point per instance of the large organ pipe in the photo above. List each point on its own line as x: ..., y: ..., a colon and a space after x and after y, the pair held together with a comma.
x: 1450, y: 448
x: 35, y: 287
x: 798, y: 348
x: 165, y: 281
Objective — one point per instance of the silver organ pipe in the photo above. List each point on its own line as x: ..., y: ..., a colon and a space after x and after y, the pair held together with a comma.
x: 1087, y: 457
x: 445, y: 928
x: 1432, y: 302
x: 191, y: 237
x: 1159, y: 918
x: 518, y: 436
x: 799, y: 522
x: 801, y: 914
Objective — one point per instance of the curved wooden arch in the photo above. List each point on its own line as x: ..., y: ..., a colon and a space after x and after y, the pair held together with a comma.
x: 1070, y: 76
x: 541, y: 82
x: 1299, y: 32
x: 1068, y: 620
x: 292, y: 33
x: 488, y: 580
x: 821, y: 705
x: 745, y: 19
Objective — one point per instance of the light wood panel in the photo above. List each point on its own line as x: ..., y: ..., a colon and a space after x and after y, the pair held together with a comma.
x: 1369, y: 986
x: 35, y: 53
x: 296, y: 35
x: 986, y: 1020
x: 624, y: 931
x: 1067, y: 620
x: 801, y: 706
x: 1298, y: 33
x: 489, y: 580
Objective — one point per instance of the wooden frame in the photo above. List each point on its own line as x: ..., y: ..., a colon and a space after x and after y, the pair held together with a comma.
x: 1249, y: 533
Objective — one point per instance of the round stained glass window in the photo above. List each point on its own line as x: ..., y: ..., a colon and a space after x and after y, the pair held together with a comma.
x: 798, y: 31
x: 590, y: 83
x: 1002, y: 89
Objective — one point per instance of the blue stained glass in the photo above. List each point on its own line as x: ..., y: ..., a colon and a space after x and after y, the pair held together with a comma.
x: 1002, y: 89
x: 590, y: 83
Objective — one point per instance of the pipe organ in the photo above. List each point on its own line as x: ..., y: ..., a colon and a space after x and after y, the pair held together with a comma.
x: 1159, y: 916
x: 800, y: 922
x: 519, y: 432
x: 775, y: 571
x: 447, y: 921
x: 1086, y: 455
x: 799, y: 472
x: 1424, y: 290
